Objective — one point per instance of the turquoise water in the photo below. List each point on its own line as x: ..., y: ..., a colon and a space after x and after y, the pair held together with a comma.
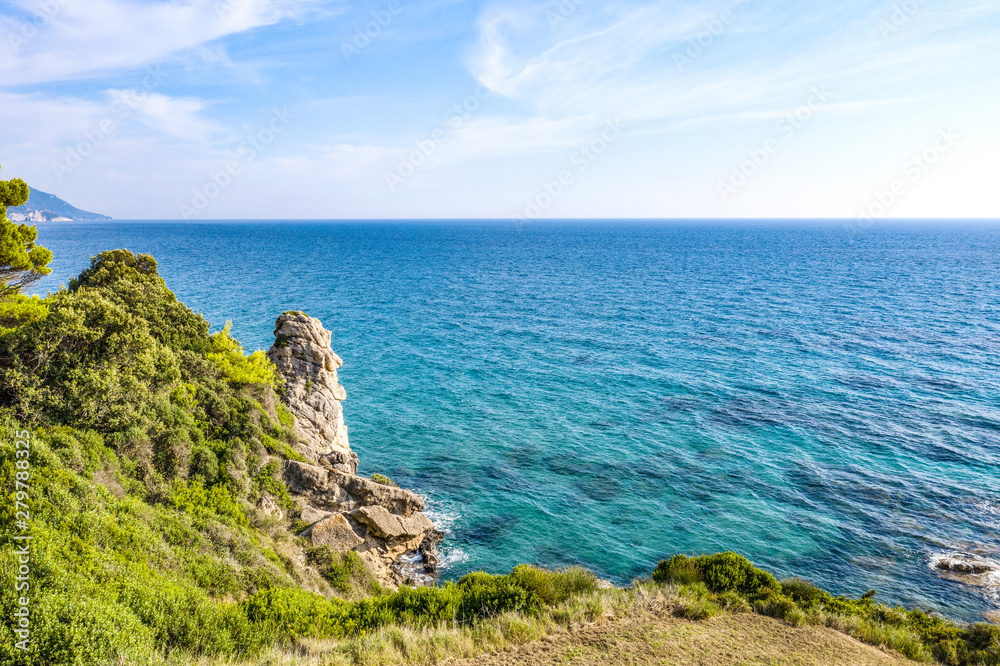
x: 824, y: 400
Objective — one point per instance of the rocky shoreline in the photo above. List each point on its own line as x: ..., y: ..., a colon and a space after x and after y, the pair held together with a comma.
x: 383, y: 524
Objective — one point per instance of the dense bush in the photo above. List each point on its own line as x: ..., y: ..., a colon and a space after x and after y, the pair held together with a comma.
x: 720, y: 572
x: 707, y: 581
x: 148, y: 460
x: 290, y: 614
x: 345, y: 572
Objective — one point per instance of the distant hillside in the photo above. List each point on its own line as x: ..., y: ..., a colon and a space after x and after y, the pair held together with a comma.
x: 45, y: 207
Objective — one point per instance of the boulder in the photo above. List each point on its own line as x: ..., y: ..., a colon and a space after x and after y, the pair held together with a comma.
x: 269, y: 507
x: 336, y: 533
x: 969, y: 569
x: 385, y: 525
x: 334, y: 491
x: 304, y: 478
x: 313, y: 515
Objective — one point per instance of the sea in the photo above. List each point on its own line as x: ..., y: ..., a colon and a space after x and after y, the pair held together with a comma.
x: 823, y: 398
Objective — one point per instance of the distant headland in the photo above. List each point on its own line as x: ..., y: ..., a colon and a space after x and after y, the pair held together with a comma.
x: 45, y: 207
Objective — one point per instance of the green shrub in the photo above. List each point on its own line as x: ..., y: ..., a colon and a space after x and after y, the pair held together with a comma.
x: 347, y: 572
x: 777, y: 606
x: 679, y: 570
x: 554, y: 587
x: 293, y: 613
x: 697, y: 609
x: 720, y: 572
x: 228, y: 355
x: 281, y: 449
x: 17, y: 310
x: 384, y: 480
x: 267, y: 481
x: 195, y: 499
x: 285, y: 417
x: 804, y: 593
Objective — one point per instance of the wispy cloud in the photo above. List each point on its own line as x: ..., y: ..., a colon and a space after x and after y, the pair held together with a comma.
x: 697, y: 83
x: 80, y: 38
x: 622, y: 58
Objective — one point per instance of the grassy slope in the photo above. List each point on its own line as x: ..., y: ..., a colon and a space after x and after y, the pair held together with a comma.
x: 644, y: 624
x: 747, y: 640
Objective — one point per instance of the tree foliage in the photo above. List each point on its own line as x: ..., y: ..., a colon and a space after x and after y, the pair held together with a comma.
x: 21, y: 260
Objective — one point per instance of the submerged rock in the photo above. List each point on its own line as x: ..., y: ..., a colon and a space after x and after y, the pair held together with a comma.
x: 965, y: 567
x: 974, y: 569
x: 385, y: 525
x: 968, y: 569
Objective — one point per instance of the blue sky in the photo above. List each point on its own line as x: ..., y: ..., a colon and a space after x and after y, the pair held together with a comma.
x: 209, y: 109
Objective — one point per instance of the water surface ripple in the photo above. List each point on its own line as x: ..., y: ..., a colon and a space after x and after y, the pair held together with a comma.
x: 826, y: 402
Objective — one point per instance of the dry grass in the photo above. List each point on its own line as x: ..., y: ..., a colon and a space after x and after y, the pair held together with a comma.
x: 646, y: 623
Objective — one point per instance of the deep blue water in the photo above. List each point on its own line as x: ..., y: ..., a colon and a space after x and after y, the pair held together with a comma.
x: 823, y: 400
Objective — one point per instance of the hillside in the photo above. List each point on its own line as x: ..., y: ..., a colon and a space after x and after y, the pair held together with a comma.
x: 739, y: 639
x: 45, y: 207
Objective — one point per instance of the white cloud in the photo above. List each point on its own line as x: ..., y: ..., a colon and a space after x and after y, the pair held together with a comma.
x: 668, y: 61
x: 177, y: 117
x: 80, y: 38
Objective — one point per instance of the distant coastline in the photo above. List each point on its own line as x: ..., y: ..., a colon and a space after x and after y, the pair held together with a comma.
x: 45, y: 207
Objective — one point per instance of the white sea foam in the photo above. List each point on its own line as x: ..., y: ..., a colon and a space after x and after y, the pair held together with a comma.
x: 443, y: 517
x: 957, y: 566
x: 452, y: 556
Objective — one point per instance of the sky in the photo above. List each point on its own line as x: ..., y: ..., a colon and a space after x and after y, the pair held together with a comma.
x: 295, y: 109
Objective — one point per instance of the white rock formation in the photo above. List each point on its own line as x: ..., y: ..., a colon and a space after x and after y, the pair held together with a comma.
x: 385, y: 525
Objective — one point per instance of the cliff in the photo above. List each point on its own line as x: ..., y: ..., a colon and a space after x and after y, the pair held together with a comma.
x: 383, y: 524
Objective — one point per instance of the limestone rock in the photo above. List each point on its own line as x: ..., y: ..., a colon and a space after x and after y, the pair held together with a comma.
x: 387, y: 525
x: 993, y: 616
x: 428, y: 551
x: 335, y: 491
x: 383, y: 524
x: 336, y: 533
x: 302, y: 354
x: 269, y: 507
x: 304, y: 478
x: 313, y: 515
